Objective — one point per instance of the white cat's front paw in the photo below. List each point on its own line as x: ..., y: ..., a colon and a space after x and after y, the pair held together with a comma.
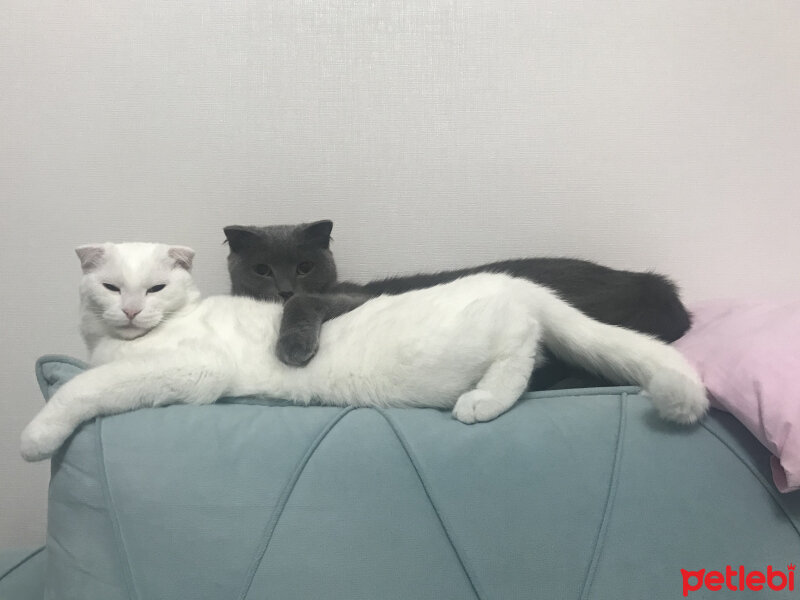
x: 41, y: 438
x: 476, y: 406
x: 678, y: 398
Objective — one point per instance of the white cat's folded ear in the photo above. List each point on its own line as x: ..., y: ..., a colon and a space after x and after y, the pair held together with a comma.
x: 182, y: 255
x: 90, y: 255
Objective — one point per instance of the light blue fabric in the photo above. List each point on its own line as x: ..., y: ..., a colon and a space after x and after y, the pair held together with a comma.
x: 572, y: 494
x: 22, y: 574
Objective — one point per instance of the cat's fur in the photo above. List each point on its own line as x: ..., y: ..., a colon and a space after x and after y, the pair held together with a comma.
x: 645, y: 302
x: 284, y: 251
x: 468, y: 345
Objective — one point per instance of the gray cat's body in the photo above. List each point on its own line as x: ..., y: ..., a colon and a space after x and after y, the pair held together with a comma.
x: 293, y: 263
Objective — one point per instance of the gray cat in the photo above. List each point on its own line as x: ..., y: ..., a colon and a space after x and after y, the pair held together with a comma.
x: 294, y: 264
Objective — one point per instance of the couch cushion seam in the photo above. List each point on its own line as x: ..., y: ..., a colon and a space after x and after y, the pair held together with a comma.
x: 20, y: 562
x: 613, y: 485
x: 462, y: 560
x: 283, y: 500
x: 122, y: 553
x: 754, y: 472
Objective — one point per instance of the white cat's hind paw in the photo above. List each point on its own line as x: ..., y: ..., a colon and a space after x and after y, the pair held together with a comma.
x: 478, y: 405
x: 40, y: 439
x: 678, y: 398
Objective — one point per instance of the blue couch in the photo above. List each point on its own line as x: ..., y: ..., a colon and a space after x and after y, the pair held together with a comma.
x: 572, y: 494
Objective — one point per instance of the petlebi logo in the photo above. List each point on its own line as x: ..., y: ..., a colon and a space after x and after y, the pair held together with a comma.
x: 738, y: 580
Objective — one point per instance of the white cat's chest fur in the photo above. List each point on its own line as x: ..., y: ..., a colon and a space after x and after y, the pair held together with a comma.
x: 422, y: 348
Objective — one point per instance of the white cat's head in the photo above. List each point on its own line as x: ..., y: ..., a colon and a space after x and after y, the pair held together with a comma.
x: 128, y: 289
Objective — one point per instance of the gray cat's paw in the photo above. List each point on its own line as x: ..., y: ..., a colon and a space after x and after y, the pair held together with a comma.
x: 40, y: 439
x: 297, y: 348
x: 478, y: 405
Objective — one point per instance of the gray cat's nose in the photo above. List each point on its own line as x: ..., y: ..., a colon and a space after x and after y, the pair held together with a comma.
x: 285, y: 295
x: 131, y: 313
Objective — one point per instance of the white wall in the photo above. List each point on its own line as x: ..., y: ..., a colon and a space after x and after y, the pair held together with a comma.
x: 660, y: 134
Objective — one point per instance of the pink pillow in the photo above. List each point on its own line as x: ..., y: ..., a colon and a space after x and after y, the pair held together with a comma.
x: 748, y: 354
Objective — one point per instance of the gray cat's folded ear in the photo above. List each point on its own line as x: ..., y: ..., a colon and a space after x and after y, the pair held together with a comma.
x: 317, y: 233
x: 240, y: 237
x: 182, y: 255
x: 91, y: 256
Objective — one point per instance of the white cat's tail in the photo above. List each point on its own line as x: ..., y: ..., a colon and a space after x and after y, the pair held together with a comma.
x: 624, y: 356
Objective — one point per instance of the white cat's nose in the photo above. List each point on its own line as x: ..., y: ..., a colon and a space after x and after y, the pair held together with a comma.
x: 131, y: 312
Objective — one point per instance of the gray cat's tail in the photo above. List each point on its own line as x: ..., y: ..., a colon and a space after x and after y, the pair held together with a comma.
x: 624, y: 356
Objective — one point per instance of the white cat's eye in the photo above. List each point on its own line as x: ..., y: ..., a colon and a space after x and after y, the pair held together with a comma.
x: 156, y: 288
x: 110, y: 287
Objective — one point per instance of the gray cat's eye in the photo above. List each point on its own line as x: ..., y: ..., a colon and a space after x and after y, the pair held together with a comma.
x: 262, y: 269
x: 156, y: 288
x: 304, y: 268
x: 110, y: 287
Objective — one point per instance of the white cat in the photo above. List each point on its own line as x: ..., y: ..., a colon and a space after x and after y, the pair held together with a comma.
x: 469, y: 345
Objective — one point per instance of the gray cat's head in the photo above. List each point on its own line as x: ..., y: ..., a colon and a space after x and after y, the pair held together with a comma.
x: 275, y: 262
